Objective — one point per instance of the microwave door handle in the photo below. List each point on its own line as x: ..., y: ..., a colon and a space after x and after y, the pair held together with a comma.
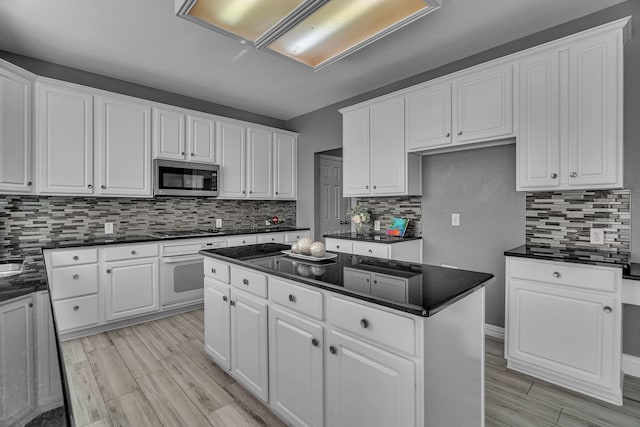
x: 177, y: 259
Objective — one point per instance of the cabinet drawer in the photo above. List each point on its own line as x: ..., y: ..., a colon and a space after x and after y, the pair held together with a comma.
x: 392, y: 330
x: 583, y: 276
x: 73, y: 257
x: 242, y: 240
x: 371, y: 249
x: 306, y: 301
x: 130, y: 252
x: 76, y: 312
x: 336, y: 245
x: 216, y: 270
x: 74, y: 281
x: 271, y: 238
x: 294, y: 236
x: 249, y: 281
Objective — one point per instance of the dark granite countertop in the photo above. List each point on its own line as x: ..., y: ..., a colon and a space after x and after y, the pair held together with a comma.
x: 577, y: 256
x: 430, y: 288
x: 116, y: 239
x: 21, y: 284
x: 372, y: 237
x: 633, y: 272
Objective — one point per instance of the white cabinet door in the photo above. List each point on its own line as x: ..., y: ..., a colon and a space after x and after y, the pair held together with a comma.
x: 367, y: 386
x: 15, y: 133
x: 429, y: 117
x: 296, y: 368
x: 16, y: 360
x: 390, y: 288
x: 355, y: 152
x: 201, y: 137
x: 595, y: 109
x: 357, y: 280
x: 538, y: 144
x: 388, y: 152
x: 168, y: 135
x: 259, y: 164
x: 485, y: 104
x: 217, y: 326
x: 231, y: 158
x: 123, y: 141
x: 131, y: 288
x: 249, y: 343
x: 285, y: 166
x: 567, y: 332
x: 48, y: 384
x: 64, y: 148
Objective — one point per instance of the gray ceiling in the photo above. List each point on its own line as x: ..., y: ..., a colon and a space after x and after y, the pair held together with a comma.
x: 142, y: 41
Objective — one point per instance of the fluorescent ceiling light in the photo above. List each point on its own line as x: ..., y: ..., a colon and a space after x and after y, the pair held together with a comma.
x: 313, y: 32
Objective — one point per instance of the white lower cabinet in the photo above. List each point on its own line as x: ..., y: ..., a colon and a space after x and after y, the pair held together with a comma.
x: 217, y: 322
x: 564, y: 325
x: 131, y: 288
x: 296, y: 367
x: 368, y: 386
x: 408, y: 251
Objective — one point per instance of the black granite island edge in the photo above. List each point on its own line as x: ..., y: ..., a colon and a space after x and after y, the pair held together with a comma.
x: 372, y: 237
x: 440, y: 287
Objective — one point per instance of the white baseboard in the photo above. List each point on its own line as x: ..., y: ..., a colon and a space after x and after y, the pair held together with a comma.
x: 630, y: 364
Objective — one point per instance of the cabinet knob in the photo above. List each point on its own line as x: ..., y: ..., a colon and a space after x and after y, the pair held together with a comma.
x: 243, y: 192
x: 337, y: 246
x: 103, y: 186
x: 364, y: 323
x: 366, y: 186
x: 29, y: 183
x: 459, y: 132
x: 333, y: 350
x: 244, y: 241
x: 370, y: 251
x: 182, y: 153
x: 607, y: 309
x: 554, y: 175
x: 448, y: 134
x: 76, y: 276
x: 556, y: 274
x: 573, y: 174
x: 232, y: 302
x: 30, y: 305
x: 192, y: 154
x: 89, y: 186
x: 292, y: 298
x: 76, y: 307
x: 367, y: 279
x: 75, y: 257
x: 277, y: 193
x: 134, y: 253
x: 224, y: 298
x: 315, y: 342
x: 273, y: 239
x: 108, y: 271
x: 375, y: 281
x: 245, y: 281
x: 213, y: 270
x: 250, y: 191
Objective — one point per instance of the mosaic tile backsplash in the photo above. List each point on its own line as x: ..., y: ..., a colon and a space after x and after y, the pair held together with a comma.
x: 385, y: 208
x: 28, y: 222
x: 563, y: 219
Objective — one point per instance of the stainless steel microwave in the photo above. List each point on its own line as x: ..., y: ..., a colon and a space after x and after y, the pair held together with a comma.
x: 176, y: 178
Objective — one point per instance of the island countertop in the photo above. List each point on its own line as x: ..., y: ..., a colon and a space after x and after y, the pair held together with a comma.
x: 429, y: 288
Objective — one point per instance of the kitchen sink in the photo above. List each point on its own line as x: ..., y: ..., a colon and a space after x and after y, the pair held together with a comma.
x: 10, y: 268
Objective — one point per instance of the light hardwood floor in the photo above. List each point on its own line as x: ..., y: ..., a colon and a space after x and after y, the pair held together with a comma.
x: 157, y: 374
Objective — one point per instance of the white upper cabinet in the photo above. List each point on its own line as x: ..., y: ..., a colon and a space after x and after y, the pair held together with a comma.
x: 15, y: 132
x: 285, y: 161
x: 571, y: 108
x: 429, y: 117
x: 231, y: 155
x: 201, y: 138
x: 375, y: 159
x: 169, y: 134
x: 123, y: 142
x: 64, y: 141
x: 259, y: 163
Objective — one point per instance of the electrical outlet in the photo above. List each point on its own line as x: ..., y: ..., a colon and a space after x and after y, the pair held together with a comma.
x: 376, y: 225
x: 108, y: 228
x: 218, y: 222
x: 596, y: 236
x: 455, y: 219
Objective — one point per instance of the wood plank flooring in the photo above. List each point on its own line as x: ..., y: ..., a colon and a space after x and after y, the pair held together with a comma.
x: 157, y: 374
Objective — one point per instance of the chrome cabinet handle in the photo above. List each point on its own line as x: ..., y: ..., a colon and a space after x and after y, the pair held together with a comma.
x: 192, y: 154
x: 370, y: 251
x: 224, y: 298
x: 89, y: 186
x: 182, y: 153
x: 366, y: 186
x: 375, y: 186
x: 375, y: 281
x: 277, y: 193
x: 213, y: 270
x: 573, y: 174
x: 459, y: 132
x: 232, y: 302
x: 607, y: 309
x: 448, y: 134
x: 554, y: 175
x: 315, y: 342
x: 134, y: 253
x: 76, y: 308
x: 250, y: 191
x: 76, y: 277
x: 29, y: 183
x: 292, y: 298
x: 364, y: 323
x: 108, y: 270
x: 556, y: 274
x: 245, y: 281
x: 367, y: 279
x: 333, y: 350
x: 103, y: 186
x: 244, y: 241
x: 75, y: 257
x: 337, y: 246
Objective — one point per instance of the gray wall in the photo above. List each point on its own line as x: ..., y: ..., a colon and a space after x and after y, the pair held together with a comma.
x: 321, y: 130
x: 72, y: 75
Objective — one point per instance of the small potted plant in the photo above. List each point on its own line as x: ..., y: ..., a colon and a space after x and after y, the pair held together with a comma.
x: 360, y: 215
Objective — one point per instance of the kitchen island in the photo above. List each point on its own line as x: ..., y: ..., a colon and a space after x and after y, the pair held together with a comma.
x: 350, y: 340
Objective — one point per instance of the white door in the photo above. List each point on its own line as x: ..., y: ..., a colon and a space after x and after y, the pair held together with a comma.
x: 538, y: 145
x: 595, y: 146
x: 485, y: 104
x: 201, y: 137
x: 16, y: 359
x: 357, y: 280
x: 568, y: 332
x: 64, y: 148
x: 285, y: 166
x: 388, y: 152
x: 429, y: 117
x: 15, y: 133
x: 217, y: 322
x: 48, y: 383
x: 131, y: 288
x: 355, y: 152
x: 259, y: 164
x: 367, y: 386
x: 123, y: 141
x: 249, y: 343
x: 333, y: 206
x: 231, y: 158
x: 168, y: 135
x: 296, y: 368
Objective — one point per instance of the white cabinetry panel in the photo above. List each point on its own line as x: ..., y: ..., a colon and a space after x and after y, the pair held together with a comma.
x: 168, y: 137
x: 132, y: 288
x: 285, y: 166
x: 429, y: 117
x: 217, y: 322
x: 231, y: 157
x: 259, y: 163
x: 356, y: 152
x: 388, y: 151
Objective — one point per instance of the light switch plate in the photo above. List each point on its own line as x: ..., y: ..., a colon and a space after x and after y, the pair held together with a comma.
x: 108, y: 228
x: 455, y: 219
x: 376, y: 225
x: 596, y: 236
x: 218, y: 222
